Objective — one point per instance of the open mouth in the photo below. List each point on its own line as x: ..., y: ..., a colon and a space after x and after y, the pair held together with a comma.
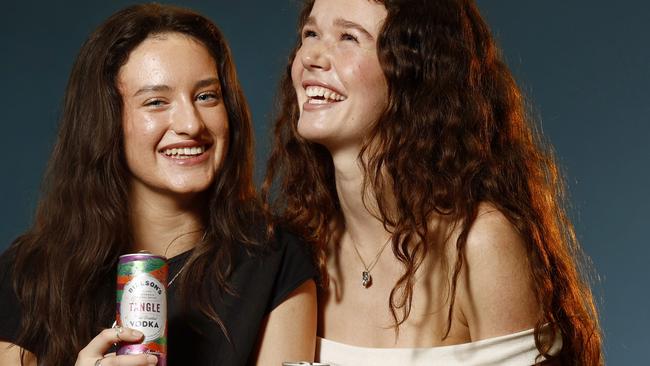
x: 322, y: 95
x: 185, y: 152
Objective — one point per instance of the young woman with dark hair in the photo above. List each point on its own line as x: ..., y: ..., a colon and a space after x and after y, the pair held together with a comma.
x: 404, y: 154
x: 154, y: 152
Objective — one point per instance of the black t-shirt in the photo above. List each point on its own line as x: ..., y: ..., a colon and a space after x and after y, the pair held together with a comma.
x: 261, y: 281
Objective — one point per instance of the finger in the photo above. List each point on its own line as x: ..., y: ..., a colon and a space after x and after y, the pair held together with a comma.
x: 130, y: 360
x: 104, y: 340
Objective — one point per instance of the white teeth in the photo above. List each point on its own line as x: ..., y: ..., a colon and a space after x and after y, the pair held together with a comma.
x: 317, y: 101
x: 319, y: 91
x: 185, y: 152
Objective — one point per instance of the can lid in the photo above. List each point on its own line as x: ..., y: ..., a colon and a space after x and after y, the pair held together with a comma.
x: 143, y: 254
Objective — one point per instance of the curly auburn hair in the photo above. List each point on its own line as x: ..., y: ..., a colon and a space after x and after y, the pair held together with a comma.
x: 463, y: 138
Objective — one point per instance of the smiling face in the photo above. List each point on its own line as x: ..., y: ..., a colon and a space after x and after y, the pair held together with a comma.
x: 175, y: 123
x: 338, y: 80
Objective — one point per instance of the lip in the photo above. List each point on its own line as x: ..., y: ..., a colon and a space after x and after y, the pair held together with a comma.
x: 308, y: 107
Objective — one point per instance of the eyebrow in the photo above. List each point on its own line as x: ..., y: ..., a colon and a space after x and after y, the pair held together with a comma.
x: 165, y: 88
x: 343, y: 23
x: 206, y: 82
x: 152, y: 88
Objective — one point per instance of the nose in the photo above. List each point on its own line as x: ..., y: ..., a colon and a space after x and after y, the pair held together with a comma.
x: 315, y: 55
x: 186, y: 120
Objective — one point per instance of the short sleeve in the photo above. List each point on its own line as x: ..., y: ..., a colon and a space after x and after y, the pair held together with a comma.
x: 296, y: 267
x: 10, y: 313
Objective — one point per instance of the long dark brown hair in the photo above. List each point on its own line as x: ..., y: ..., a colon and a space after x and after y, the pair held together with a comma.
x: 455, y: 133
x: 82, y: 222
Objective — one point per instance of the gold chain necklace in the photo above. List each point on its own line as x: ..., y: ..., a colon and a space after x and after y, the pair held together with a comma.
x: 366, y: 278
x: 170, y: 282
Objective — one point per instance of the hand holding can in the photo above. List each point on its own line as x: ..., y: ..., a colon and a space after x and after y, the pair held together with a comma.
x: 94, y: 354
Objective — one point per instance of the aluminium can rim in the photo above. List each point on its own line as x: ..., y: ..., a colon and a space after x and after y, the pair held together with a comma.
x: 143, y: 254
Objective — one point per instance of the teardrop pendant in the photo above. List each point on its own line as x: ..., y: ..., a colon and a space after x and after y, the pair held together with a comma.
x: 366, y: 279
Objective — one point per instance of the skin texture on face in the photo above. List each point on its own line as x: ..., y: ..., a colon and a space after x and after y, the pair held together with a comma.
x: 339, y: 82
x: 175, y: 123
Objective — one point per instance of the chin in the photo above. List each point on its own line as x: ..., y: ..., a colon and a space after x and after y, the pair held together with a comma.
x: 314, y: 132
x: 193, y: 189
x: 186, y: 189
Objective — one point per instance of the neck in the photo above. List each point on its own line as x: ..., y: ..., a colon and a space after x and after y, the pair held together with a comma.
x: 361, y: 216
x: 164, y: 225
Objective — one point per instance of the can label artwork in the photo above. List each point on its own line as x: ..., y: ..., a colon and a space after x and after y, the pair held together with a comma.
x: 142, y: 303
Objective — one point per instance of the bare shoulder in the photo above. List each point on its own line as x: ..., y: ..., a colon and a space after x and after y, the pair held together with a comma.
x: 493, y: 237
x: 496, y: 287
x: 10, y: 355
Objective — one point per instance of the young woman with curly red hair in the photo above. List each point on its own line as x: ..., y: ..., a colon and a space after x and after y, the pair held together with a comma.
x: 404, y: 154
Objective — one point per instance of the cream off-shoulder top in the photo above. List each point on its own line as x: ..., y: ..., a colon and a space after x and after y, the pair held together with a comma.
x: 509, y: 350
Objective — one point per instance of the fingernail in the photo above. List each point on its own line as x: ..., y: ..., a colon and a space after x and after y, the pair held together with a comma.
x: 136, y: 333
x: 152, y: 360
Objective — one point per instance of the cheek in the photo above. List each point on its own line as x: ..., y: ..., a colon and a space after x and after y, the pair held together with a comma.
x: 216, y: 120
x: 296, y: 79
x: 296, y: 72
x: 142, y: 131
x: 218, y: 125
x: 135, y: 122
x: 221, y: 134
x: 146, y: 126
x: 220, y: 145
x: 371, y: 77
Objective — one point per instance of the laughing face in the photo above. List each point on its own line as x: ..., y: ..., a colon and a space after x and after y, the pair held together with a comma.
x: 339, y: 82
x: 175, y: 123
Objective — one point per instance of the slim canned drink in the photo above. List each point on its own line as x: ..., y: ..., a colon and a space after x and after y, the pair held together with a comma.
x: 142, y: 303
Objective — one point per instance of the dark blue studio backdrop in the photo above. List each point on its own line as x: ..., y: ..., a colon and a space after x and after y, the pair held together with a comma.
x: 584, y: 64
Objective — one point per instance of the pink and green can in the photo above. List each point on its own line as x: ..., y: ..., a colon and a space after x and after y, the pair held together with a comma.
x: 142, y: 303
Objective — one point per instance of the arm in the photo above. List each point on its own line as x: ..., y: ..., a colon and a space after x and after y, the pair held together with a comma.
x: 497, y: 295
x: 289, y: 331
x: 10, y: 355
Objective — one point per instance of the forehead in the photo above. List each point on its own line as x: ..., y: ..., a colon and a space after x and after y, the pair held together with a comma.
x: 167, y: 57
x: 367, y: 13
